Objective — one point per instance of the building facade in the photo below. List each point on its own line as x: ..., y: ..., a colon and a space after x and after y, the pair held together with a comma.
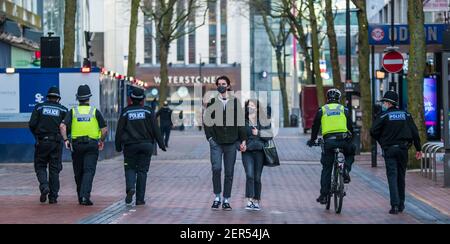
x: 20, y: 31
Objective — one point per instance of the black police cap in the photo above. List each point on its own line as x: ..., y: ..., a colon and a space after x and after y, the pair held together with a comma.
x: 138, y: 94
x: 391, y: 97
x: 54, y: 92
x: 84, y: 93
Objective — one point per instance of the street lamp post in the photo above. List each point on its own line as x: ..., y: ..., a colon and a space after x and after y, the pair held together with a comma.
x: 348, y: 57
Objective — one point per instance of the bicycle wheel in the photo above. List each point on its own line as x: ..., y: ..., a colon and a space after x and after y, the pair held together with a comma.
x: 340, y: 193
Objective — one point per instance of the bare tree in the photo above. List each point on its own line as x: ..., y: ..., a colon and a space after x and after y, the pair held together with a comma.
x: 332, y: 39
x: 416, y: 70
x: 69, y: 33
x: 132, y: 38
x: 278, y: 38
x: 364, y: 74
x: 168, y: 23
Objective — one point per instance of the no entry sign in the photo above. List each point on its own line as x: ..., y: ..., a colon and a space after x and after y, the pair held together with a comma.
x: 393, y: 62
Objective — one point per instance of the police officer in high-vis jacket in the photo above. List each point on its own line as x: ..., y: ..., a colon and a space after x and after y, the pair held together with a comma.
x: 88, y: 130
x: 136, y: 134
x: 44, y: 124
x: 337, y: 129
x: 395, y: 130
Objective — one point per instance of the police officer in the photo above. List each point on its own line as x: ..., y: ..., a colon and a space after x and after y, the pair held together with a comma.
x: 44, y: 124
x: 88, y: 132
x: 395, y: 130
x: 337, y: 129
x: 136, y: 134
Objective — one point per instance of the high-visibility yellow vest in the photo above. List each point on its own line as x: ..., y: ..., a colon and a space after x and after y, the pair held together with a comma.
x: 333, y: 119
x: 84, y: 123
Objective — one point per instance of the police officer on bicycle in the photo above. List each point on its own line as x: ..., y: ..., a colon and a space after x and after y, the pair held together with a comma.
x: 395, y: 130
x: 337, y: 129
x: 44, y: 124
x: 136, y: 134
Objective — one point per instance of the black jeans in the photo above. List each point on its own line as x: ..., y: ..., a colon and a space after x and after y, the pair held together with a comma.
x: 165, y: 132
x: 253, y: 165
x: 84, y: 156
x: 137, y: 165
x: 396, y: 159
x: 327, y: 161
x: 229, y: 153
x: 48, y: 153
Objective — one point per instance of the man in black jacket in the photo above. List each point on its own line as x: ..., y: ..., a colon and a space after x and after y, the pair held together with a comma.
x: 165, y: 116
x: 136, y: 134
x: 44, y: 124
x: 395, y: 130
x: 225, y: 130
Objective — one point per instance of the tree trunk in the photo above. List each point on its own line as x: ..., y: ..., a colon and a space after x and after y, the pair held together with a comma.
x: 132, y: 38
x: 364, y: 74
x: 164, y: 71
x: 284, y: 95
x: 416, y: 70
x: 332, y: 39
x: 316, y: 52
x: 69, y: 33
x: 299, y: 34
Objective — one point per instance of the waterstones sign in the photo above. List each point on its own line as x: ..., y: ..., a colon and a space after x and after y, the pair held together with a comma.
x: 185, y: 80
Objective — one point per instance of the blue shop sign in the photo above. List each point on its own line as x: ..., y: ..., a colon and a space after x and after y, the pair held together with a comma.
x: 381, y: 34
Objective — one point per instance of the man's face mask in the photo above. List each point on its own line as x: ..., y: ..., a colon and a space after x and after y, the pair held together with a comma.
x: 384, y: 107
x: 222, y: 89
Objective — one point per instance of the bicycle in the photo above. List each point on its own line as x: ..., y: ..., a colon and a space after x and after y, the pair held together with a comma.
x: 337, y: 180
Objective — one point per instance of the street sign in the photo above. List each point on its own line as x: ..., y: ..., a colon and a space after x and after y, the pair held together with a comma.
x: 380, y: 35
x: 393, y: 62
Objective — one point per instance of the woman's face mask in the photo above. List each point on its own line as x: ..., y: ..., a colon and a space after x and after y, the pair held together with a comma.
x: 252, y: 110
x: 222, y: 89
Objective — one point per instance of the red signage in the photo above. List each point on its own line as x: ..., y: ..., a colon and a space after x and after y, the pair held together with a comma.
x: 393, y: 62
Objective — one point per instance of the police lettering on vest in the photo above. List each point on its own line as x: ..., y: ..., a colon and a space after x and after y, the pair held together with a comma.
x: 333, y: 119
x: 50, y: 111
x: 136, y: 115
x: 397, y: 116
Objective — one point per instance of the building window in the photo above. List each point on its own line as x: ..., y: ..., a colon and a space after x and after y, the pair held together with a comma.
x: 212, y: 31
x: 148, y: 41
x: 224, y: 31
x: 181, y: 39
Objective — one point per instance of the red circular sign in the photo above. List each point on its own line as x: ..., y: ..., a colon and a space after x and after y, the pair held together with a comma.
x: 393, y: 62
x: 378, y: 34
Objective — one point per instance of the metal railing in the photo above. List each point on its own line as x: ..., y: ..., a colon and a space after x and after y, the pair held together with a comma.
x: 428, y: 166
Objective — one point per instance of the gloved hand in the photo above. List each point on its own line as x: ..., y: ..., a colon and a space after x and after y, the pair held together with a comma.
x: 311, y: 143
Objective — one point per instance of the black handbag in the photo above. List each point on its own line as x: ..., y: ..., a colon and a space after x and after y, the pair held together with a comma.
x: 271, y: 155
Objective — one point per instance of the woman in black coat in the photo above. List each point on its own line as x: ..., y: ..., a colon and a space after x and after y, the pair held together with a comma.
x: 258, y: 129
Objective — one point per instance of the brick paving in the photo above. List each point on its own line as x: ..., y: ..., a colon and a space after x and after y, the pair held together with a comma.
x: 179, y: 191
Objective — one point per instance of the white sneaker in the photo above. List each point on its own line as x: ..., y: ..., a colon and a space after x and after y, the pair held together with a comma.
x: 256, y: 207
x: 249, y: 206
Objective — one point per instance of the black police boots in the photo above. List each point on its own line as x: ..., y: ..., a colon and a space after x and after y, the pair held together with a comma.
x: 44, y: 193
x: 322, y: 199
x: 394, y: 210
x: 86, y: 202
x: 129, y: 198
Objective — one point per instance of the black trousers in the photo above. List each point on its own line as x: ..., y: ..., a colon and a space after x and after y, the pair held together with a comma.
x: 165, y: 132
x: 327, y: 161
x: 228, y: 153
x: 48, y: 153
x: 137, y: 165
x: 85, y: 157
x: 253, y: 165
x: 396, y: 159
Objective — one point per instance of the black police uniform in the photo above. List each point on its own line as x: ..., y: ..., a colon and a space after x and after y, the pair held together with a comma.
x: 165, y: 115
x: 333, y: 141
x: 395, y: 130
x: 85, y: 151
x: 136, y: 134
x: 44, y: 124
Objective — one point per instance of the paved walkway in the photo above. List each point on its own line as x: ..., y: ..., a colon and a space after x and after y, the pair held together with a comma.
x: 179, y: 191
